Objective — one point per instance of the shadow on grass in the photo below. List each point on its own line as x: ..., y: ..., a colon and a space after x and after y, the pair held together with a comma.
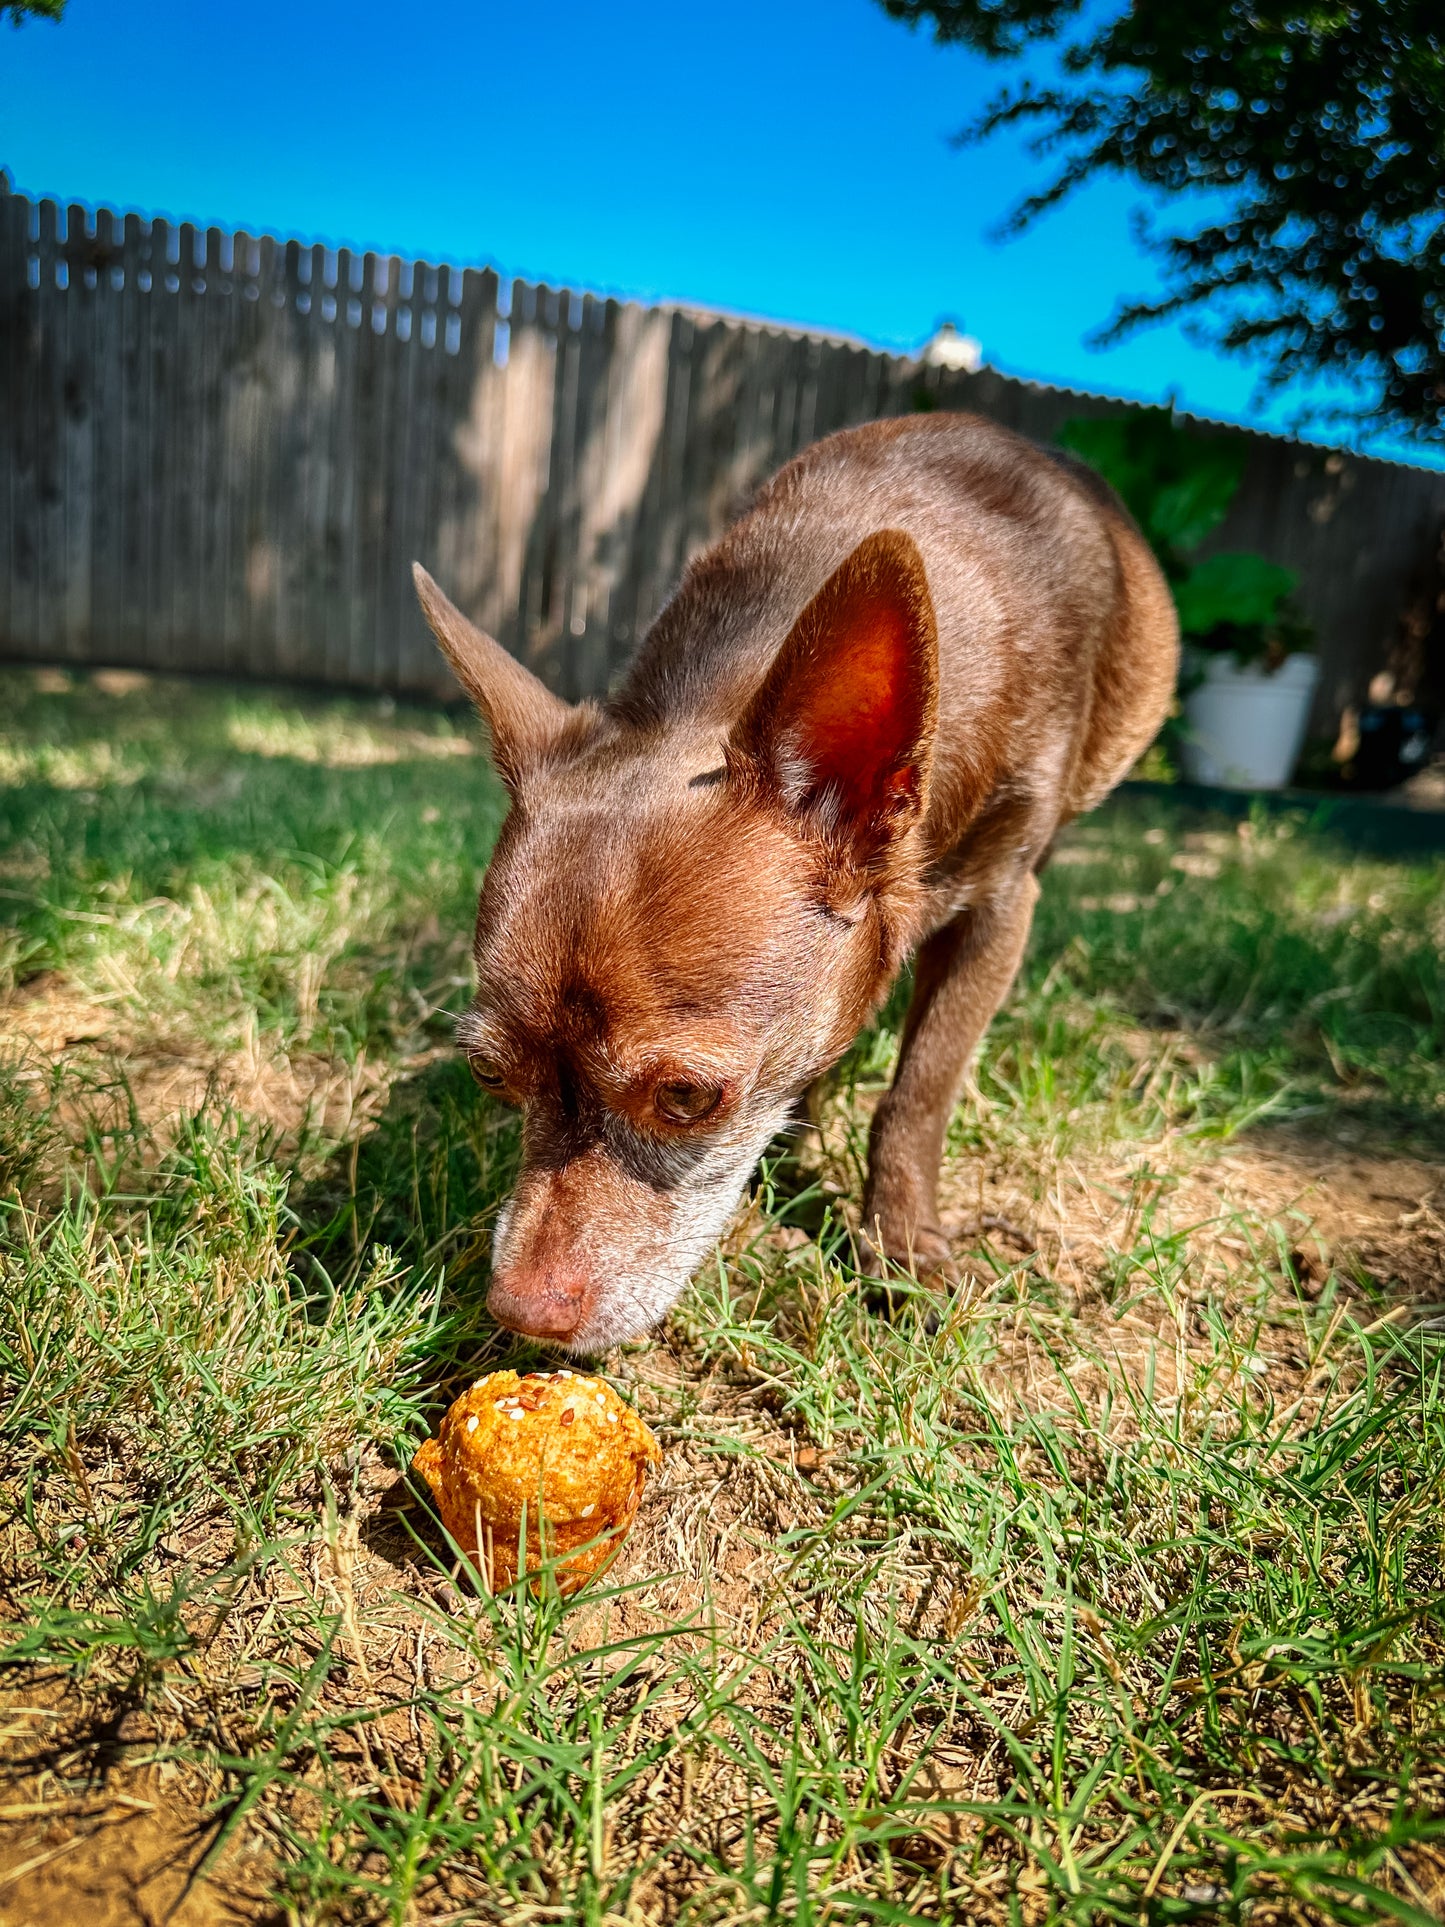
x: 1369, y: 1125
x: 426, y: 1184
x: 425, y: 1181
x: 1274, y: 950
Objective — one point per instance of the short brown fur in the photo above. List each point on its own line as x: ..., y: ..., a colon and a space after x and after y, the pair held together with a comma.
x: 853, y: 732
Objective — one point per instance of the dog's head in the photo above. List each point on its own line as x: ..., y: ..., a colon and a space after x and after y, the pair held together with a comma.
x: 680, y: 927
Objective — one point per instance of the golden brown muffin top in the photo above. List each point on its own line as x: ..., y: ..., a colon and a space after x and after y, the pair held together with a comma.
x: 562, y: 1439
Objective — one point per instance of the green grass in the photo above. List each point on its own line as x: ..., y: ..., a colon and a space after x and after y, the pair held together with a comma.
x: 1109, y: 1589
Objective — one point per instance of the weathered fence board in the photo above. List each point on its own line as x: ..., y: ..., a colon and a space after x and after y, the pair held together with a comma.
x: 221, y: 452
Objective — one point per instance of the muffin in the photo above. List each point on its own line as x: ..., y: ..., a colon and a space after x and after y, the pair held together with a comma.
x: 559, y: 1450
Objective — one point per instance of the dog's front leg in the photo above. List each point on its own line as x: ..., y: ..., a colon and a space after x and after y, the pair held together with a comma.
x: 961, y: 976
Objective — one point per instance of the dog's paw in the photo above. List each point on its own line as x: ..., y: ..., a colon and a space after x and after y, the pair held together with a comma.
x: 932, y: 1257
x: 921, y: 1250
x: 990, y: 1229
x: 901, y: 1265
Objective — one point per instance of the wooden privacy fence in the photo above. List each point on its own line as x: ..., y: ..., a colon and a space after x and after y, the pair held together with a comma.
x: 222, y: 451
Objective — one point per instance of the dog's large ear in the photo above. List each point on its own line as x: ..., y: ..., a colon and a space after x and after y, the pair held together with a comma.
x: 524, y: 717
x: 842, y: 728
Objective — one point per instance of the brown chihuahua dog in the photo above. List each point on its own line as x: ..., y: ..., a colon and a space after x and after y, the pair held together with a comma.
x: 853, y: 732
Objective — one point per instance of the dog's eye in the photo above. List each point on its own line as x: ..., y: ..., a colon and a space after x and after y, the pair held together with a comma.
x: 686, y: 1103
x: 486, y: 1073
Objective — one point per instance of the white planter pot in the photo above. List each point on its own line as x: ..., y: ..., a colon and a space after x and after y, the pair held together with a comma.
x: 1244, y: 728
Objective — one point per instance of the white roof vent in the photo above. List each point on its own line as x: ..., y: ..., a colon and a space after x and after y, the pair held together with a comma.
x: 950, y: 348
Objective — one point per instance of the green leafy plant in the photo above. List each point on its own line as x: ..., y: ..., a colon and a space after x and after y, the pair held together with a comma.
x: 1178, y: 486
x: 1242, y: 604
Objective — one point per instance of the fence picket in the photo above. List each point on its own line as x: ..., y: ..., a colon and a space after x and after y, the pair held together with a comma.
x: 107, y: 461
x: 128, y: 621
x: 17, y: 335
x: 163, y: 477
x: 184, y: 457
x: 479, y: 442
x: 49, y: 444
x: 636, y: 428
x: 470, y: 547
x: 288, y: 407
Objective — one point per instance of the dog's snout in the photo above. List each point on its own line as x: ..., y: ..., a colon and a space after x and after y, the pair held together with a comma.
x: 540, y: 1304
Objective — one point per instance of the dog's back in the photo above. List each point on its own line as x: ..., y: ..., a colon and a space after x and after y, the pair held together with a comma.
x: 1057, y: 638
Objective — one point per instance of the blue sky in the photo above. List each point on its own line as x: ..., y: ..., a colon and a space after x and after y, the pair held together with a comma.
x: 783, y: 158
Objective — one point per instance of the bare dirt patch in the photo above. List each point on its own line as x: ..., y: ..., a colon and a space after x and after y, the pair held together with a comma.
x: 84, y: 1837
